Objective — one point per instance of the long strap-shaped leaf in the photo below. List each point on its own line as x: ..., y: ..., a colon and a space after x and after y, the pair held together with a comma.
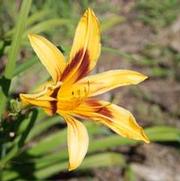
x: 13, y: 53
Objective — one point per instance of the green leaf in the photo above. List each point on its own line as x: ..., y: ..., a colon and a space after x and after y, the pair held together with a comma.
x: 118, y: 52
x: 49, y: 155
x: 163, y: 133
x: 20, y: 140
x: 37, y: 16
x: 48, y: 143
x: 113, y: 20
x: 52, y: 141
x: 25, y: 66
x: 10, y: 175
x: 17, y: 38
x: 47, y: 25
x: 14, y: 50
x: 94, y: 161
x: 43, y: 126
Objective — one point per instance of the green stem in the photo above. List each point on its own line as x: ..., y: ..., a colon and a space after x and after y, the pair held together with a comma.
x: 13, y: 54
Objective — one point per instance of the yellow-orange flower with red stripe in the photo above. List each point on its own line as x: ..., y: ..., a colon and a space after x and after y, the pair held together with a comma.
x: 71, y: 91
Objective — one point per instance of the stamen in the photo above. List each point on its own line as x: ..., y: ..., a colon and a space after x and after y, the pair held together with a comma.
x: 77, y: 97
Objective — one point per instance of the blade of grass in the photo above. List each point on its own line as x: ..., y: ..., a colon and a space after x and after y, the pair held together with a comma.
x: 24, y: 124
x: 157, y: 133
x: 47, y: 25
x: 13, y: 52
x: 103, y: 160
x: 163, y: 133
x: 48, y: 143
x: 10, y: 175
x: 37, y: 16
x: 43, y: 126
x: 24, y: 66
x: 94, y: 161
x: 16, y: 41
x: 154, y: 133
x: 52, y: 141
x: 42, y: 164
x: 110, y: 22
x: 118, y: 52
x: 55, y: 139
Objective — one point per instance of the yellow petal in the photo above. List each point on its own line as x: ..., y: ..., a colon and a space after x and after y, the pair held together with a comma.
x: 116, y: 118
x: 85, y: 49
x: 42, y: 101
x: 44, y: 98
x: 78, y: 141
x: 100, y: 83
x: 49, y: 55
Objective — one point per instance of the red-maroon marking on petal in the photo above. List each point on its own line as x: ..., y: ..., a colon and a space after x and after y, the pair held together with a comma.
x: 93, y: 103
x: 74, y: 62
x: 53, y: 107
x: 84, y: 67
x: 99, y: 108
x: 54, y: 103
x: 105, y: 111
x: 55, y: 92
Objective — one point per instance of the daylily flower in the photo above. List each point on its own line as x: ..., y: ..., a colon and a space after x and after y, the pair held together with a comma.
x: 71, y: 92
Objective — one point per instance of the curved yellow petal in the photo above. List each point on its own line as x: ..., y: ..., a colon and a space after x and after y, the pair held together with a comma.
x: 100, y: 83
x: 49, y: 55
x: 33, y: 99
x: 85, y: 49
x: 48, y: 104
x: 44, y: 98
x: 116, y: 118
x: 78, y: 141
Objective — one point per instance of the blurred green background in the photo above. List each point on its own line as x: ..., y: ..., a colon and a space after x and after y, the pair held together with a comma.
x: 142, y: 35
